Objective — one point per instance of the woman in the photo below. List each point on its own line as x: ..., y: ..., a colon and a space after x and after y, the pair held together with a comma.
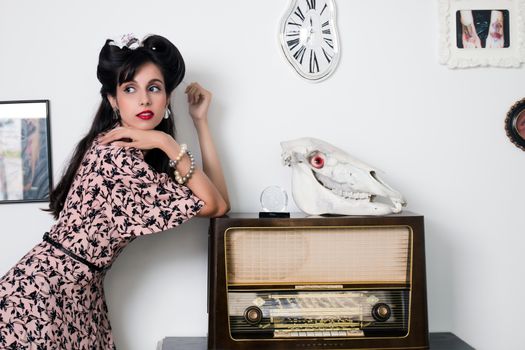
x: 128, y: 177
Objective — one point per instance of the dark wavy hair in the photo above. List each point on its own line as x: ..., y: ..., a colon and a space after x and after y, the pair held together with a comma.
x: 115, y: 67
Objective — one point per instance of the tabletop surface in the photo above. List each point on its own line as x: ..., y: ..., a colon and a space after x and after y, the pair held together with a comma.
x: 438, y: 341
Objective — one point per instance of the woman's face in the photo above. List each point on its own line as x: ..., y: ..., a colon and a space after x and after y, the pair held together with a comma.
x: 142, y: 101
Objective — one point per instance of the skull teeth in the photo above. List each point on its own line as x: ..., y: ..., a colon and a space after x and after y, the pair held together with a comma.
x: 340, y: 189
x: 351, y: 195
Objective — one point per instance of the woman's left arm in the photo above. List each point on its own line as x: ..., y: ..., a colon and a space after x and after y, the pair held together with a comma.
x: 210, y: 160
x: 199, y: 100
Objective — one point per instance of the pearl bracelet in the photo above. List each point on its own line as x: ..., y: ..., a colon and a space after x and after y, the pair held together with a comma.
x: 183, y: 179
x: 183, y: 150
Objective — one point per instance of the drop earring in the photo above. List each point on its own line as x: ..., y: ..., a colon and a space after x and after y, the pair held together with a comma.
x: 116, y: 114
x: 167, y: 113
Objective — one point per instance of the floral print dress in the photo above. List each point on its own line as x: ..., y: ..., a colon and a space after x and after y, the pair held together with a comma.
x: 51, y: 300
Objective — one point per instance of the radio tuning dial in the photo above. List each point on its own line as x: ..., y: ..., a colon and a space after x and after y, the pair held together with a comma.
x: 381, y: 312
x: 253, y: 315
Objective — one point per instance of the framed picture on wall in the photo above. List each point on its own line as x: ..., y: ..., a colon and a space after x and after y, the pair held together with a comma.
x: 25, y: 152
x: 482, y: 33
x: 515, y: 124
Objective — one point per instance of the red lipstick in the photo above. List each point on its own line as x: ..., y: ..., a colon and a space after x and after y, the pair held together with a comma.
x: 146, y: 114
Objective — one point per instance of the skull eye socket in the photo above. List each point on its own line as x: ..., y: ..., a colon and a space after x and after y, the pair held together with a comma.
x: 317, y: 160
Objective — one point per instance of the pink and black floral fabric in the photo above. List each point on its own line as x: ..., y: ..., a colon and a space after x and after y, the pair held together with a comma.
x: 49, y: 300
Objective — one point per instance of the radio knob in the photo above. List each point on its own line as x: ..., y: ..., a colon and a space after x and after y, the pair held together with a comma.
x: 381, y: 312
x: 253, y: 315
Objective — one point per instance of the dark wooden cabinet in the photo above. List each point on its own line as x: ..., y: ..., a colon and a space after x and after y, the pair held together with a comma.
x: 345, y: 282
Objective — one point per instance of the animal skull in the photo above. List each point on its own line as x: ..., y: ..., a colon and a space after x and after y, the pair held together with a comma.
x: 327, y: 180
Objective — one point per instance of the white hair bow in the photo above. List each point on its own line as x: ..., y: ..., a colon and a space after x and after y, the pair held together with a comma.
x: 127, y: 40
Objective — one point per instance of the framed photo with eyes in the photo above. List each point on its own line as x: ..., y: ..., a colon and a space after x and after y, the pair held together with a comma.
x: 25, y: 151
x: 515, y: 124
x: 482, y: 33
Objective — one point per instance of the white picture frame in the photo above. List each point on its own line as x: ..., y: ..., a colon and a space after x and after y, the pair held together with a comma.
x: 26, y: 172
x: 477, y: 51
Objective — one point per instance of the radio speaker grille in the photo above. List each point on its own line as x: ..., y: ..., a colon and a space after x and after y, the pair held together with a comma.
x: 342, y: 255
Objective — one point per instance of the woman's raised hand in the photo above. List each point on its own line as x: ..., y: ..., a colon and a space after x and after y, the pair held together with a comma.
x: 199, y: 100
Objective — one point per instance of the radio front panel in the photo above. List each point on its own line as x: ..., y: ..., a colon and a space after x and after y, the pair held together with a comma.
x: 330, y: 283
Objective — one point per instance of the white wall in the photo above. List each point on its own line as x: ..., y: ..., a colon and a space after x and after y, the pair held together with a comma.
x: 437, y: 133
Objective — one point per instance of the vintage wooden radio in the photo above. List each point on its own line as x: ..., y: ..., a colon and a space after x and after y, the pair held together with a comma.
x: 349, y: 282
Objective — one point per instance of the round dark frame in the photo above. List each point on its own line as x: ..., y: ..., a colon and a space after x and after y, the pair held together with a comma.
x: 510, y: 124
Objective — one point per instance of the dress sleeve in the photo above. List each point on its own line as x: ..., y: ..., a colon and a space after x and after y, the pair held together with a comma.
x: 145, y: 201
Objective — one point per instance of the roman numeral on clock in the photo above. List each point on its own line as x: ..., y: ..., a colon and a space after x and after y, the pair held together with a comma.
x: 292, y: 23
x: 314, y: 65
x: 292, y: 44
x: 311, y: 4
x: 327, y: 56
x: 299, y: 54
x: 329, y: 42
x: 299, y: 13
